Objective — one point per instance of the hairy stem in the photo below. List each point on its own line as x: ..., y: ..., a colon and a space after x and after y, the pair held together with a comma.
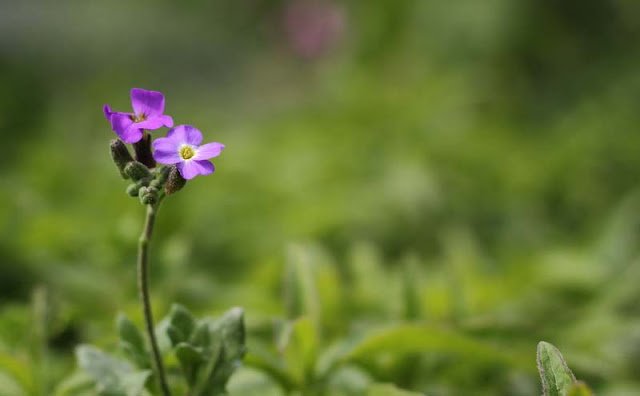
x: 143, y: 289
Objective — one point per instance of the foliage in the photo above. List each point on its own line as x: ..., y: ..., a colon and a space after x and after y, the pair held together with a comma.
x: 460, y: 171
x: 557, y: 378
x: 207, y: 352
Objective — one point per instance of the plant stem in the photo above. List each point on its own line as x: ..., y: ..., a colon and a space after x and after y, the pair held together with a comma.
x: 143, y: 289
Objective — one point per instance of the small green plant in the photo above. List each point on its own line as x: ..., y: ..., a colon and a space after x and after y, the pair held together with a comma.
x: 557, y: 378
x: 207, y: 351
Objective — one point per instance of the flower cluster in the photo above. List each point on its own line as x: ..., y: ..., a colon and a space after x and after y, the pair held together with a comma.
x: 180, y: 150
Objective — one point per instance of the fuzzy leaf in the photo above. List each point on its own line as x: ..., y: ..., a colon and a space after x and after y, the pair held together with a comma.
x: 190, y: 360
x: 556, y: 376
x: 181, y: 324
x: 231, y: 330
x: 224, y: 354
x: 112, y: 376
x: 201, y: 336
x: 132, y: 342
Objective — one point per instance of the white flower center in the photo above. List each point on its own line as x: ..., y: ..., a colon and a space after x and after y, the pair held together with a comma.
x: 187, y: 152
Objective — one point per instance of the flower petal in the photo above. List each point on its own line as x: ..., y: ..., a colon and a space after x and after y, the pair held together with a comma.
x: 131, y: 134
x: 107, y: 112
x: 208, y: 150
x: 149, y: 103
x: 185, y: 134
x: 166, y: 151
x: 122, y: 125
x: 155, y: 122
x: 166, y: 121
x: 192, y: 168
x: 119, y: 121
x: 150, y: 123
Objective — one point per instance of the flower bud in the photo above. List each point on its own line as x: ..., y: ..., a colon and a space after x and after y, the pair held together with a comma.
x: 175, y: 181
x: 133, y: 189
x: 162, y: 173
x: 143, y: 151
x: 120, y: 155
x: 148, y: 195
x: 136, y: 171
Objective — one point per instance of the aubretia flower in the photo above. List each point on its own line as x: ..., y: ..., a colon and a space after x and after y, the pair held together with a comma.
x: 182, y: 147
x: 148, y: 107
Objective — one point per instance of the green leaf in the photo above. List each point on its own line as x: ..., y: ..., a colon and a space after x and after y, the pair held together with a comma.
x: 18, y: 371
x: 312, y: 288
x: 579, y: 388
x: 267, y: 361
x: 181, y: 324
x: 133, y: 383
x: 404, y: 339
x: 190, y: 359
x: 348, y: 380
x: 201, y: 336
x: 112, y: 376
x: 300, y: 348
x: 231, y: 330
x: 249, y: 382
x: 389, y: 390
x: 556, y: 376
x: 77, y: 382
x: 300, y: 291
x: 132, y: 342
x: 224, y: 354
x: 104, y: 369
x: 211, y: 380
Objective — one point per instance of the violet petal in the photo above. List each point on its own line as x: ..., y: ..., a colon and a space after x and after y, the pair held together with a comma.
x: 150, y: 123
x: 107, y: 112
x: 120, y: 121
x: 190, y: 169
x: 149, y: 103
x: 166, y: 151
x: 208, y: 150
x: 166, y: 121
x: 131, y: 134
x: 185, y: 134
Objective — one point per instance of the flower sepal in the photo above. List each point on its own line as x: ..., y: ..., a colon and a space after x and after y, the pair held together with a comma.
x: 120, y: 155
x: 175, y: 181
x: 148, y: 195
x: 136, y: 171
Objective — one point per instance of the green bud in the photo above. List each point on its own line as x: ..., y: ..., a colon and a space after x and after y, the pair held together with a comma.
x: 136, y: 171
x: 148, y: 195
x: 175, y: 181
x: 162, y: 173
x: 133, y: 189
x: 120, y: 155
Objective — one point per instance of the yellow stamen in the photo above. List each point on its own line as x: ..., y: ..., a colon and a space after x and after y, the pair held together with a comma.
x: 138, y: 117
x: 187, y: 152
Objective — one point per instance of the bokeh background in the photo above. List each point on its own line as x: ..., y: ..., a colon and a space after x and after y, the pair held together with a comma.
x: 468, y: 165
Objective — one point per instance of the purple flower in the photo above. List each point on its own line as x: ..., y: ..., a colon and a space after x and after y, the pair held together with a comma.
x: 148, y: 107
x: 182, y: 147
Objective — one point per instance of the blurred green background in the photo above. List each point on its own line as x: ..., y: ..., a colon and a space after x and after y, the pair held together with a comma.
x: 467, y: 165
